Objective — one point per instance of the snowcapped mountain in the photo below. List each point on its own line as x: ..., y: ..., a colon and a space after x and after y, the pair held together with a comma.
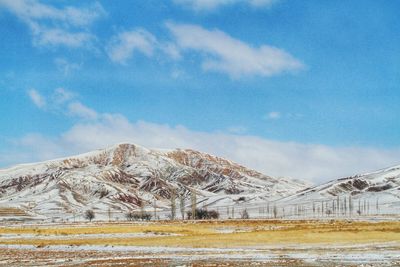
x: 369, y: 193
x: 128, y: 176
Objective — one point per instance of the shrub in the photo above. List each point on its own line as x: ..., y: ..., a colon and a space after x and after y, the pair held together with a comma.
x: 244, y: 214
x: 135, y: 216
x: 89, y: 215
x: 202, y: 214
x: 130, y: 216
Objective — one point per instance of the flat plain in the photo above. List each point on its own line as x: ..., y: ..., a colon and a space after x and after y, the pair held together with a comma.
x: 202, y: 243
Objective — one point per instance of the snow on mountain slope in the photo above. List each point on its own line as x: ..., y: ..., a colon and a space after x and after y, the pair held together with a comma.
x: 128, y: 176
x: 369, y: 193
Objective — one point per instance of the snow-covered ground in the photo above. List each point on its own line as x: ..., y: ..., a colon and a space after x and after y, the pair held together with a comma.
x: 296, y: 255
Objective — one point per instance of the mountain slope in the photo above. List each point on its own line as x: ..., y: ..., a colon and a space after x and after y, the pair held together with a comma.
x: 128, y: 176
x: 369, y: 193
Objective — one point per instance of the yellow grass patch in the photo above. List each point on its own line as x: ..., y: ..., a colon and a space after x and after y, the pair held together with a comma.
x: 213, y: 233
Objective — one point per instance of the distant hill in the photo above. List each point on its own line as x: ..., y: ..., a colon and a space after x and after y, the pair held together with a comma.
x: 128, y: 177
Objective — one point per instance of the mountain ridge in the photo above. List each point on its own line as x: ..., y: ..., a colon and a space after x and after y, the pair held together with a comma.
x: 127, y: 176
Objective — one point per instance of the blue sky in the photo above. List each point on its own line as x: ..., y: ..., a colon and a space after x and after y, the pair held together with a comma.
x: 306, y: 89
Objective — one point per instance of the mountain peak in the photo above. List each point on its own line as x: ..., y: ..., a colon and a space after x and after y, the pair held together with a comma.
x: 126, y: 176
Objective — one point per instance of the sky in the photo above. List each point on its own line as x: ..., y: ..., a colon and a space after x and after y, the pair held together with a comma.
x: 300, y: 89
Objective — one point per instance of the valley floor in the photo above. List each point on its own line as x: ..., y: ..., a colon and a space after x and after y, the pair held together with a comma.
x: 202, y: 243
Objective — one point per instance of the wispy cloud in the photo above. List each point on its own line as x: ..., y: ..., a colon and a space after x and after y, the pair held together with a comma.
x: 79, y: 110
x: 62, y: 101
x: 219, y: 51
x: 95, y: 130
x: 277, y: 115
x: 303, y: 161
x: 65, y: 66
x: 62, y: 95
x: 44, y: 36
x: 208, y: 5
x: 36, y: 98
x: 237, y: 129
x: 124, y: 44
x: 273, y: 115
x: 223, y: 53
x: 51, y: 26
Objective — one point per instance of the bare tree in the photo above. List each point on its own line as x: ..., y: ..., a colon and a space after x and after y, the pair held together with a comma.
x: 155, y: 209
x: 338, y: 205
x: 244, y: 214
x: 350, y: 205
x: 182, y: 206
x: 313, y: 208
x: 377, y: 206
x: 141, y: 208
x: 365, y: 206
x: 173, y: 204
x: 322, y: 208
x: 193, y: 201
x: 89, y: 215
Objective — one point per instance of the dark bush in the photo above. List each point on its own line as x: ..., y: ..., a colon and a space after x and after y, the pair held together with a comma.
x: 135, y: 216
x: 146, y: 216
x: 244, y: 214
x: 89, y: 215
x: 203, y: 214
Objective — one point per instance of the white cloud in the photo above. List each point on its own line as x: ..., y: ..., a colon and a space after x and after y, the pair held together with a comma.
x: 37, y: 98
x: 62, y: 95
x: 237, y: 129
x: 96, y: 130
x: 273, y: 115
x: 223, y: 53
x: 219, y: 51
x: 44, y: 36
x: 65, y: 66
x: 261, y: 3
x: 207, y: 5
x: 124, y: 44
x: 304, y: 161
x: 32, y: 10
x: 51, y: 26
x: 178, y: 73
x: 62, y: 101
x: 171, y: 50
x: 79, y: 110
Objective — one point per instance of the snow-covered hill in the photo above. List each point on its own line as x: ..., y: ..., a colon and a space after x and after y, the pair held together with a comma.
x: 127, y: 176
x: 374, y: 193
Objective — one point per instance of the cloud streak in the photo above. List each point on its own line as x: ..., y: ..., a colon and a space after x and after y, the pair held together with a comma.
x: 209, y: 5
x: 36, y: 98
x: 273, y: 115
x: 217, y: 50
x: 124, y: 44
x: 51, y: 26
x: 81, y: 111
x: 62, y: 101
x: 95, y: 130
x: 223, y: 53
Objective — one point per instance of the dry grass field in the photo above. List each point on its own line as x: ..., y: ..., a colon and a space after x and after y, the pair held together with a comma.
x: 231, y: 242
